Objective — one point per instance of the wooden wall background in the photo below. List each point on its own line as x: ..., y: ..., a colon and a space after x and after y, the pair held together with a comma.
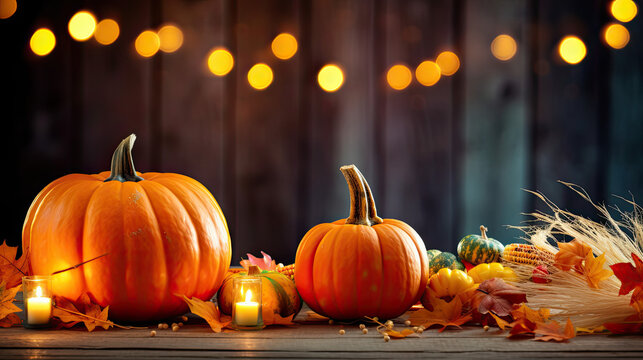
x: 444, y: 158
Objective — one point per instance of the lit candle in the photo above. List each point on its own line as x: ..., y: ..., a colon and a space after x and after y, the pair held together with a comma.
x: 38, y: 309
x: 247, y: 312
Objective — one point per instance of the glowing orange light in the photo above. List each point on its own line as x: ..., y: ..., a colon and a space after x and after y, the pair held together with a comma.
x: 399, y: 77
x: 107, y: 31
x: 504, y: 47
x: 42, y: 42
x: 572, y: 49
x: 7, y: 8
x: 147, y: 43
x: 623, y: 10
x: 82, y: 26
x: 260, y: 76
x: 330, y: 78
x: 616, y: 36
x: 171, y: 38
x: 428, y: 73
x: 220, y: 61
x: 448, y: 62
x: 284, y: 46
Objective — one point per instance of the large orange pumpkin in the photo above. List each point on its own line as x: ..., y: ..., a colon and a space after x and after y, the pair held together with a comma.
x: 164, y: 234
x: 362, y: 265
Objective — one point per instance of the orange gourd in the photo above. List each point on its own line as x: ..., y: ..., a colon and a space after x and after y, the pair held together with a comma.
x: 362, y: 265
x: 164, y: 235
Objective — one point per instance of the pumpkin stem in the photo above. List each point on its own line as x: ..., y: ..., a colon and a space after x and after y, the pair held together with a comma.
x: 122, y: 162
x: 253, y: 270
x: 483, y: 231
x: 361, y: 198
x: 372, y: 211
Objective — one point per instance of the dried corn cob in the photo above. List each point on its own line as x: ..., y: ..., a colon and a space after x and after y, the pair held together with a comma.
x: 524, y: 254
x: 288, y: 270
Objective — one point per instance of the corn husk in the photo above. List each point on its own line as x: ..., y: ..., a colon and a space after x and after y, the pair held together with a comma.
x: 568, y: 294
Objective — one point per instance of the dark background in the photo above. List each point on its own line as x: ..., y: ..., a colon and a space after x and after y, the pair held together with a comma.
x: 445, y: 159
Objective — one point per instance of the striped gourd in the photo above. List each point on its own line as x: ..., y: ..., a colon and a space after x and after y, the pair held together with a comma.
x: 288, y: 270
x: 444, y: 260
x: 525, y: 254
x: 479, y: 249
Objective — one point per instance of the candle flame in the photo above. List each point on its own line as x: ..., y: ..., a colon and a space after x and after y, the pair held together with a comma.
x: 38, y: 292
x: 248, y: 295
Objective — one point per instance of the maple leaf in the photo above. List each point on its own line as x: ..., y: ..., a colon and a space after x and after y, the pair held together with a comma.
x: 498, y: 296
x: 631, y: 278
x: 265, y: 263
x: 502, y: 323
x: 7, y: 307
x: 10, y: 320
x: 522, y: 326
x: 208, y: 311
x: 553, y: 331
x: 443, y: 313
x: 11, y: 269
x: 524, y: 311
x: 398, y: 334
x: 272, y: 318
x: 571, y: 254
x: 594, y: 271
x: 85, y: 311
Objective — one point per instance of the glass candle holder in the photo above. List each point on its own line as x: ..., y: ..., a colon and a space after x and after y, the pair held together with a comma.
x: 246, y: 309
x: 36, y: 294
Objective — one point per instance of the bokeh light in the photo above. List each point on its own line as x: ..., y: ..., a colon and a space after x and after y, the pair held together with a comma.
x: 42, y: 42
x: 284, y: 46
x: 399, y: 77
x: 107, y: 31
x: 448, y: 62
x: 7, y: 8
x: 147, y: 43
x: 616, y: 36
x: 171, y: 38
x: 572, y: 49
x: 260, y: 76
x: 428, y: 73
x: 330, y: 78
x: 82, y: 26
x: 220, y: 61
x: 623, y: 10
x: 504, y: 47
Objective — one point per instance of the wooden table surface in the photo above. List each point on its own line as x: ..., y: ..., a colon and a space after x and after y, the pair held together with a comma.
x: 304, y: 340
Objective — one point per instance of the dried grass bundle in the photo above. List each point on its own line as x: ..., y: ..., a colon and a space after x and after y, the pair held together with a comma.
x: 568, y: 294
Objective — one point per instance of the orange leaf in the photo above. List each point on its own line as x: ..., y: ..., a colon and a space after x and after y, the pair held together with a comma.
x: 208, y: 311
x: 553, y: 331
x: 84, y: 311
x: 272, y: 318
x: 11, y: 269
x: 594, y: 270
x: 10, y: 320
x: 399, y: 334
x: 7, y: 307
x: 502, y: 324
x: 444, y: 313
x: 524, y: 311
x: 571, y: 254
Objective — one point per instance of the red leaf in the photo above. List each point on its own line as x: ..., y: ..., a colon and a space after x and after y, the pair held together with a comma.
x: 625, y: 328
x: 499, y: 297
x: 630, y: 276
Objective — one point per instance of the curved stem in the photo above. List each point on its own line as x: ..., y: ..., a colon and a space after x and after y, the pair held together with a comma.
x: 372, y: 211
x: 122, y: 162
x: 359, y: 208
x: 254, y: 270
x: 483, y: 231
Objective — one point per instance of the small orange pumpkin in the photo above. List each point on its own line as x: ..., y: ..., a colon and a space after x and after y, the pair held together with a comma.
x: 363, y: 265
x: 164, y: 234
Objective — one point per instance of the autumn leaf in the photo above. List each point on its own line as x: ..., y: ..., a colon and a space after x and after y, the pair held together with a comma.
x: 524, y: 311
x: 625, y: 328
x: 10, y: 320
x: 594, y: 270
x: 552, y: 331
x: 631, y: 279
x: 84, y: 311
x: 522, y: 326
x: 571, y: 254
x: 272, y: 318
x: 443, y: 313
x: 265, y: 263
x: 7, y: 307
x: 502, y: 323
x: 11, y: 269
x: 498, y: 296
x: 594, y: 330
x: 208, y: 311
x: 398, y: 334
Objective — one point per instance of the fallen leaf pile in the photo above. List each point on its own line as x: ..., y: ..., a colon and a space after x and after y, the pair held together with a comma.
x: 578, y: 256
x: 208, y: 311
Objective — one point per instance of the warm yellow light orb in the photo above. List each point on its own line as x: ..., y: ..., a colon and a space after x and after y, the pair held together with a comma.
x: 428, y: 73
x: 623, y: 10
x: 399, y: 77
x: 107, y: 31
x: 260, y: 76
x: 42, y: 42
x: 82, y: 26
x: 616, y: 36
x: 504, y: 47
x: 7, y: 8
x: 171, y: 38
x: 330, y: 78
x: 448, y: 62
x: 572, y: 49
x: 284, y: 46
x: 147, y: 43
x: 220, y: 61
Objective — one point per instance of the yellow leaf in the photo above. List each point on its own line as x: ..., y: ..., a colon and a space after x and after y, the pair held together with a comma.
x: 208, y: 311
x: 594, y: 270
x: 399, y: 334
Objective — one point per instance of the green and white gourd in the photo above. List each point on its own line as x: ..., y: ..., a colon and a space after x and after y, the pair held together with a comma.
x: 480, y: 249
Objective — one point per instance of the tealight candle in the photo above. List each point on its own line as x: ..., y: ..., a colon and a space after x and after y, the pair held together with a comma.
x: 246, y: 310
x: 37, y: 298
